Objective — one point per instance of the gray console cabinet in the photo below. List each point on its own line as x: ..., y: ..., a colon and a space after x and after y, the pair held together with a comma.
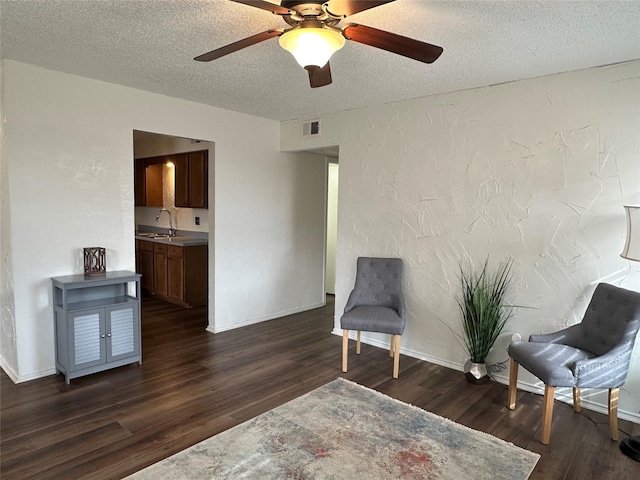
x: 97, y: 322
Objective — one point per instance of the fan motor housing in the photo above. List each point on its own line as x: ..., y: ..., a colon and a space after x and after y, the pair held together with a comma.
x: 303, y: 7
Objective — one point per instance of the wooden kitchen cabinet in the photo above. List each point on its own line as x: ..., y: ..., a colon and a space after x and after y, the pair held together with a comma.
x: 148, y: 181
x: 139, y: 182
x: 175, y: 273
x: 160, y: 286
x: 195, y: 271
x: 186, y: 275
x: 154, y: 186
x: 191, y: 179
x: 144, y: 262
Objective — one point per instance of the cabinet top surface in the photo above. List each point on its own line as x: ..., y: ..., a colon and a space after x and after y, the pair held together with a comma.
x: 180, y: 241
x: 110, y: 277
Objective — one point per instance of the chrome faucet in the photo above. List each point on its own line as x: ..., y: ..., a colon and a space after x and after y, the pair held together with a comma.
x: 172, y: 232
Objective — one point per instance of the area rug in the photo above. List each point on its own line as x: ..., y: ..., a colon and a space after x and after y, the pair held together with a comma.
x: 343, y: 430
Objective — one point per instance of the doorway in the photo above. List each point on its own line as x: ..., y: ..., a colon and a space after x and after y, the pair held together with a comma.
x: 172, y: 191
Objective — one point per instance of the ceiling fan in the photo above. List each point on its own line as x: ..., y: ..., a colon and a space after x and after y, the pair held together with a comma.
x: 314, y: 35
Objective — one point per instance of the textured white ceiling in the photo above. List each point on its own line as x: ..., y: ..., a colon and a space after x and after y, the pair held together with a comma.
x: 150, y: 45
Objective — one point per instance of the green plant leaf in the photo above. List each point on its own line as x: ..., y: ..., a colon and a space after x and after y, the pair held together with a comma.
x: 483, y: 307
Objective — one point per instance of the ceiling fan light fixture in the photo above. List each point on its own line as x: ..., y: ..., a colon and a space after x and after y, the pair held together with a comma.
x: 312, y: 46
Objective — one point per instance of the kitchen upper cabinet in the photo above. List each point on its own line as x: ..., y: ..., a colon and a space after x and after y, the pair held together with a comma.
x: 191, y: 170
x: 191, y: 180
x: 148, y: 184
x: 154, y: 187
x: 139, y: 182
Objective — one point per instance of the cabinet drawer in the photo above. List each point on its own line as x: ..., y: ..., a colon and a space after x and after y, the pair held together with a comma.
x: 175, y: 251
x: 160, y: 248
x: 146, y: 246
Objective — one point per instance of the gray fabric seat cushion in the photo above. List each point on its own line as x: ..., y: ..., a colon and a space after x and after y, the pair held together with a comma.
x: 552, y: 363
x: 373, y: 318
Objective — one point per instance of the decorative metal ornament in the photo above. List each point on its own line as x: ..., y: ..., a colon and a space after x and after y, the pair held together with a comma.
x: 476, y: 372
x: 95, y: 262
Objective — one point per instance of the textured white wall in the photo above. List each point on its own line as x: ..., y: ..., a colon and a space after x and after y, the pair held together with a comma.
x: 8, y: 347
x: 278, y: 208
x: 536, y: 170
x: 69, y: 153
x: 332, y: 227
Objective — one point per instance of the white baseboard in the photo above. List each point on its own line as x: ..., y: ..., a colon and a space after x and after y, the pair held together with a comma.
x: 405, y: 351
x: 264, y: 318
x: 562, y: 394
x: 11, y: 373
x: 15, y: 378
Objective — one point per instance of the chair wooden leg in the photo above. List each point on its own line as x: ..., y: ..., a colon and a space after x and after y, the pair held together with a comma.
x: 513, y: 381
x: 547, y: 414
x: 395, y: 341
x: 345, y: 349
x: 613, y: 413
x: 576, y: 400
x: 392, y: 345
x: 358, y: 342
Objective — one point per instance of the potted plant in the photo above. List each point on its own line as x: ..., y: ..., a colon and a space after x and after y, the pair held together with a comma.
x: 484, y: 314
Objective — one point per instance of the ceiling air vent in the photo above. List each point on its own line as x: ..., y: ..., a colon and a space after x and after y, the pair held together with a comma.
x: 311, y: 128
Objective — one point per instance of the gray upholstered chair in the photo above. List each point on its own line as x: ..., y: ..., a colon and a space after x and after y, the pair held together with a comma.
x: 592, y: 354
x: 376, y: 304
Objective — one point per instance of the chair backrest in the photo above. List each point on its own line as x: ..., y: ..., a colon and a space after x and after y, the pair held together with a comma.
x: 611, y: 319
x: 378, y: 282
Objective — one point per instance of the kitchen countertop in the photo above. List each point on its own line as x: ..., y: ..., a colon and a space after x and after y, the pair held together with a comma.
x: 179, y: 240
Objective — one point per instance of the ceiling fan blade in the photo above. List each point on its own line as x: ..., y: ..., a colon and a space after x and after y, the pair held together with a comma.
x: 344, y: 8
x: 273, y: 8
x: 234, y: 47
x: 391, y: 42
x: 319, y: 77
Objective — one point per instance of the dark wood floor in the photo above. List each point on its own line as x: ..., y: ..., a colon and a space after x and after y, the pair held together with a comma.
x: 194, y: 384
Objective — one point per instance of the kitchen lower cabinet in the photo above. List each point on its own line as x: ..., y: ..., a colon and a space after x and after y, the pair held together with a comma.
x: 160, y: 286
x: 175, y: 273
x: 96, y: 322
x: 144, y: 261
x: 182, y: 273
x: 187, y: 275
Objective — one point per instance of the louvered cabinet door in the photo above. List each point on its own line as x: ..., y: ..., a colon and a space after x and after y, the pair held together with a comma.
x: 87, y: 339
x: 123, y: 332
